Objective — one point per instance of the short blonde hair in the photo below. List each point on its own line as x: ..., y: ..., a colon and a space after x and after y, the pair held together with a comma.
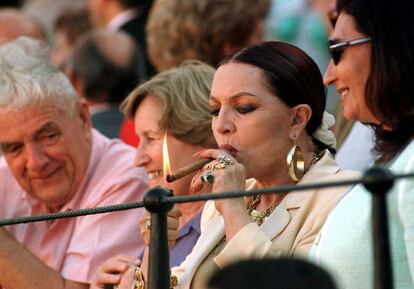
x: 184, y: 94
x: 199, y: 29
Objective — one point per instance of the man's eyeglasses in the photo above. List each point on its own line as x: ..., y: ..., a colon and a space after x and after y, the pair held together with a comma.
x: 336, y: 48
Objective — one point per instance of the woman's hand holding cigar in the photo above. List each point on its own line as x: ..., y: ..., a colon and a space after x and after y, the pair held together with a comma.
x: 188, y: 169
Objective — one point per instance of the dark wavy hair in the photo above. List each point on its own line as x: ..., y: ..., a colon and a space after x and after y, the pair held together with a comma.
x: 291, y: 75
x: 390, y: 86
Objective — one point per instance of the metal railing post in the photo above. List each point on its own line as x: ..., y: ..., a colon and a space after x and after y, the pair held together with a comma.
x: 379, y: 181
x: 158, y: 263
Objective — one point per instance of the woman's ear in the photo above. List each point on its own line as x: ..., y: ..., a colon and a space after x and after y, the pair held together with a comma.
x: 301, y: 116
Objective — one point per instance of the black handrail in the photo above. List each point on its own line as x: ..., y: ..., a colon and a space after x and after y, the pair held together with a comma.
x: 196, y: 198
x: 380, y: 233
x: 158, y: 265
x: 157, y: 201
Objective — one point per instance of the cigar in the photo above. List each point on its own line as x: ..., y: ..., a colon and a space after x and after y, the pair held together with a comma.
x: 188, y: 169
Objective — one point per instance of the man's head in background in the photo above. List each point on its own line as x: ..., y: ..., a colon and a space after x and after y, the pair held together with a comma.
x: 69, y: 26
x: 15, y: 23
x: 106, y: 66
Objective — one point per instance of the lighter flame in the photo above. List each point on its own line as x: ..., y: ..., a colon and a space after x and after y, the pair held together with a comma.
x: 165, y: 157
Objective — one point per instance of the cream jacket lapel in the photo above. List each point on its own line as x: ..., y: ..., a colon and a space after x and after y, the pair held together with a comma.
x: 299, y: 217
x: 213, y: 223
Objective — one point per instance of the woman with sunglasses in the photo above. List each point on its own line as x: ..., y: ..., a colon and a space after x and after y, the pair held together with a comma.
x: 372, y: 48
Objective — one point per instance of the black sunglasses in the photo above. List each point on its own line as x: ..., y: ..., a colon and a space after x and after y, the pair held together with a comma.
x: 336, y: 48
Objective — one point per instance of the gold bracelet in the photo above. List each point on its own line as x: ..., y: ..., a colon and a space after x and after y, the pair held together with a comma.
x: 140, y: 284
x: 173, y: 282
x: 138, y: 279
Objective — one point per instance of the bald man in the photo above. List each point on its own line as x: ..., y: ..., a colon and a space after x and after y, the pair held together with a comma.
x: 105, y: 67
x: 14, y: 23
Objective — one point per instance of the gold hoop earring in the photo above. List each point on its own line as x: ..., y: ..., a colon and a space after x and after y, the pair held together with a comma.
x: 295, y: 163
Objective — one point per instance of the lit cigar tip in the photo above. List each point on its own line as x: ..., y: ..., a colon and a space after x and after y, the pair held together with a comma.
x: 186, y: 170
x: 170, y: 178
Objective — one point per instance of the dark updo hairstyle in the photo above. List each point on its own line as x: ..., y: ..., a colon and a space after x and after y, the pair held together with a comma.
x: 280, y: 273
x: 389, y: 91
x: 291, y: 75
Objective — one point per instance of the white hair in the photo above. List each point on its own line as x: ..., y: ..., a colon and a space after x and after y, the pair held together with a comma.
x: 28, y: 78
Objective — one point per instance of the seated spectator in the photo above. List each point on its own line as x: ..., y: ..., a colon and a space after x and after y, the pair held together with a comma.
x: 68, y: 27
x: 105, y: 68
x: 14, y: 23
x: 53, y: 161
x: 372, y: 67
x: 280, y: 273
x: 174, y: 101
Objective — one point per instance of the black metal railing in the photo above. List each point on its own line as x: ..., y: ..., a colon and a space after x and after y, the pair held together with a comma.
x: 158, y: 201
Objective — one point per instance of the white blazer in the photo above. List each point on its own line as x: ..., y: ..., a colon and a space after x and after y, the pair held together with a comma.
x: 290, y: 230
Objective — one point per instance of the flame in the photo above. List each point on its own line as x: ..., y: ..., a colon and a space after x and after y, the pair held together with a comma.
x: 165, y: 157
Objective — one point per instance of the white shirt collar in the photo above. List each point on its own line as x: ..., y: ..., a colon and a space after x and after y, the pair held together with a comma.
x: 121, y: 19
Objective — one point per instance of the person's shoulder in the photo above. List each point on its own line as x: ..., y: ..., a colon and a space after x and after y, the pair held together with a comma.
x: 326, y: 169
x: 405, y: 159
x: 109, y: 115
x: 135, y: 28
x: 112, y: 175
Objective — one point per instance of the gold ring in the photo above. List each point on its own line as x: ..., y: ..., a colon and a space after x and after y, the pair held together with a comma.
x: 214, y: 167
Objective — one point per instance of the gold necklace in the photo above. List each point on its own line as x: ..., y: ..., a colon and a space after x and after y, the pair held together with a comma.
x: 315, y: 158
x: 259, y: 216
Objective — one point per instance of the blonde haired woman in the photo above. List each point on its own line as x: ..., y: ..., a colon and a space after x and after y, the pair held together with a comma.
x: 172, y: 103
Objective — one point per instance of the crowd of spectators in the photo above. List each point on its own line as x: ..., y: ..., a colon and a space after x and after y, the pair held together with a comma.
x: 100, y: 99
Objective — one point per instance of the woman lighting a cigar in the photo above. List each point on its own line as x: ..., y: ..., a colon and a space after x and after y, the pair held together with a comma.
x: 176, y: 102
x: 267, y: 103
